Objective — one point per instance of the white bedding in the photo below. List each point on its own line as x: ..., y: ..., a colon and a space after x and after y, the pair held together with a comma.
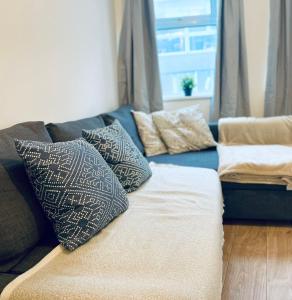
x: 256, y: 150
x: 256, y: 131
x: 168, y: 245
x: 258, y: 164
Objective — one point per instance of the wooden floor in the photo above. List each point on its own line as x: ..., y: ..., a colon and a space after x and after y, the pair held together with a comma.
x: 257, y: 262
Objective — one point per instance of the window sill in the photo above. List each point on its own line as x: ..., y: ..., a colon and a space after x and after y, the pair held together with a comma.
x: 187, y: 98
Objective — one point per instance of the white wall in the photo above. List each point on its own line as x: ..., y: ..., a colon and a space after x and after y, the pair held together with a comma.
x: 57, y: 59
x: 256, y: 27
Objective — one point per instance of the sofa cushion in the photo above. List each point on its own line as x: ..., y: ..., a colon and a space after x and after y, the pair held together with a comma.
x: 149, y: 134
x: 119, y: 151
x: 202, y: 159
x: 22, y: 221
x: 184, y: 129
x: 124, y: 115
x: 68, y: 131
x: 76, y: 188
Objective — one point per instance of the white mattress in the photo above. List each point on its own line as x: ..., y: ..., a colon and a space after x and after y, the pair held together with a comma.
x: 168, y: 245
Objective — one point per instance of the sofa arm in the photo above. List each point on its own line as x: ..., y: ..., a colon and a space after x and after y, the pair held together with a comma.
x: 214, y: 129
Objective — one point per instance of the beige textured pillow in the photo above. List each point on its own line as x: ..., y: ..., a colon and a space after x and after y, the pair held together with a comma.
x: 149, y: 134
x: 184, y: 129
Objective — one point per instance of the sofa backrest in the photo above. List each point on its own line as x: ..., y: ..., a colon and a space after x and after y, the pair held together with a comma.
x: 22, y: 222
x: 125, y: 117
x: 67, y: 131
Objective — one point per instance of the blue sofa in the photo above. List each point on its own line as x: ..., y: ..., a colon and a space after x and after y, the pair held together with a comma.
x: 26, y: 236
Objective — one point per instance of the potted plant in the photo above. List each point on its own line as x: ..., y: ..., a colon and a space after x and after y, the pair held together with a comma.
x: 187, y: 84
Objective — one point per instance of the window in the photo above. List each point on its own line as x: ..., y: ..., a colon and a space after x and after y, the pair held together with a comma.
x: 186, y: 40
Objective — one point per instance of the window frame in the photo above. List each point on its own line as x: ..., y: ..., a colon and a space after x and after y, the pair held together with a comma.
x: 189, y: 21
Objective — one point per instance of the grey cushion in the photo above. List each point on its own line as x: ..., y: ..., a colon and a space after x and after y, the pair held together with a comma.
x: 119, y: 151
x: 76, y: 188
x: 125, y: 117
x: 68, y: 131
x: 22, y: 221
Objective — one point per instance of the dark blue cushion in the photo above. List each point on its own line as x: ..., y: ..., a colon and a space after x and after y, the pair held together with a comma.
x: 119, y: 151
x: 68, y: 131
x: 203, y: 159
x: 76, y: 188
x: 22, y: 223
x: 124, y: 115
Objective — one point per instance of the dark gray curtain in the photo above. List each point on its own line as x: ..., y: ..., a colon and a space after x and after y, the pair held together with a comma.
x: 231, y: 97
x: 139, y: 79
x: 278, y: 100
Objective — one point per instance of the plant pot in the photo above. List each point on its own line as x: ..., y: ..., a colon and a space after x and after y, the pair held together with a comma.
x: 188, y: 91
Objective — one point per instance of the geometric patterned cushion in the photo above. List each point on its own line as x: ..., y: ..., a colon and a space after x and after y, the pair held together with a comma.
x: 119, y: 151
x: 77, y: 190
x: 124, y: 115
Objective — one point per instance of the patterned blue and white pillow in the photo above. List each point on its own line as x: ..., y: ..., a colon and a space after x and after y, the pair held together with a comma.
x: 76, y: 188
x: 119, y: 151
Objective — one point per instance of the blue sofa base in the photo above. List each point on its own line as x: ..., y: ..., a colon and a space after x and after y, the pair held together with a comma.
x: 258, y: 205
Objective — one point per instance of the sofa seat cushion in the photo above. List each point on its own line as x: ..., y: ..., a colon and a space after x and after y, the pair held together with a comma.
x: 203, y: 159
x: 168, y: 245
x: 125, y: 117
x: 209, y: 159
x: 68, y: 131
